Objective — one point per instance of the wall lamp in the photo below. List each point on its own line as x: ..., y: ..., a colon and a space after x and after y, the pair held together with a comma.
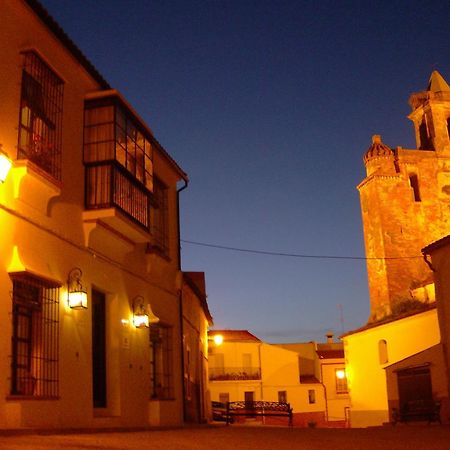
x: 76, y: 294
x: 5, y: 166
x: 143, y: 315
x: 217, y: 339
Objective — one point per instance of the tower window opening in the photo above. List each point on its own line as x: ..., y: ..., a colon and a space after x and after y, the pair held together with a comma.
x: 414, y: 183
x: 448, y: 127
x: 425, y: 141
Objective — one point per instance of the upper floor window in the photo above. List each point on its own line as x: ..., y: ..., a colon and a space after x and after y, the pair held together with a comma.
x: 112, y: 134
x: 35, y: 335
x: 40, y: 122
x: 118, y: 157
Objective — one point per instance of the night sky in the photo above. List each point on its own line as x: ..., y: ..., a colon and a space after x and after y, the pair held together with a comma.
x: 269, y: 107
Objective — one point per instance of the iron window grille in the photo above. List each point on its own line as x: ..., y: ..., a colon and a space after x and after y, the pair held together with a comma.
x: 35, y: 337
x: 40, y: 120
x: 118, y: 157
x: 161, y: 355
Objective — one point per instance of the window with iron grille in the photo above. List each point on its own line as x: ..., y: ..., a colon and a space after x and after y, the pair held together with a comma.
x: 40, y: 121
x: 35, y: 337
x: 161, y: 355
x: 161, y: 217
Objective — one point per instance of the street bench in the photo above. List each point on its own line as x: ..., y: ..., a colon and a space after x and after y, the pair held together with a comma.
x: 258, y: 409
x: 417, y: 410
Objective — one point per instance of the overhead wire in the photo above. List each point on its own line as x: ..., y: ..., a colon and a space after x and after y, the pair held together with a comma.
x: 292, y: 255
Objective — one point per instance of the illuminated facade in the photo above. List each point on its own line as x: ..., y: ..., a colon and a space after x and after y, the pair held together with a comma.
x: 88, y: 210
x: 404, y: 204
x: 196, y: 319
x: 310, y: 377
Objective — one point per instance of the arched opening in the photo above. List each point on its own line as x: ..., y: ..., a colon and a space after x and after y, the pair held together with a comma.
x: 383, y: 352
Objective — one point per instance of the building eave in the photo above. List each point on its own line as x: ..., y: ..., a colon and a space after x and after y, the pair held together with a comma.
x: 388, y: 320
x: 65, y: 40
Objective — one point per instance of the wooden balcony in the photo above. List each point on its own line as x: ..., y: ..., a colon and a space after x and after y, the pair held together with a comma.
x: 118, y: 200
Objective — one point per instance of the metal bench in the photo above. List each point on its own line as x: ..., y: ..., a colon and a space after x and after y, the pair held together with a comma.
x: 258, y: 408
x: 417, y: 410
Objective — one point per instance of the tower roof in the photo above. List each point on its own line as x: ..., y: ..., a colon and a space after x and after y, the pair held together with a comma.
x: 377, y: 149
x: 437, y: 83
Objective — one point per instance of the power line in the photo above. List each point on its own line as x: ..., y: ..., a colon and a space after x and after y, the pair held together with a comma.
x: 290, y: 255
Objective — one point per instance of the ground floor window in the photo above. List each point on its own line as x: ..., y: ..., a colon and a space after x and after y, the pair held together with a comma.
x: 35, y: 337
x: 311, y: 396
x: 282, y: 396
x: 161, y: 355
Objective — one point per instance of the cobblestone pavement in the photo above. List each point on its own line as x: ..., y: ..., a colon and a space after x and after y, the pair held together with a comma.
x: 239, y: 437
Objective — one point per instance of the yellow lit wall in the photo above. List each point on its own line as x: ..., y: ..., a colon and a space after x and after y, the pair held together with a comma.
x: 43, y: 232
x: 366, y: 375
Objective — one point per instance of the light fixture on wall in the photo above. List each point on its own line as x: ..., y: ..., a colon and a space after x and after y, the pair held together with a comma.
x: 217, y: 339
x: 5, y: 166
x: 143, y: 315
x: 76, y: 294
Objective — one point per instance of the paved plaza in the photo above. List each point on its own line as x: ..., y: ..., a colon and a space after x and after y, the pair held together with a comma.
x: 239, y: 437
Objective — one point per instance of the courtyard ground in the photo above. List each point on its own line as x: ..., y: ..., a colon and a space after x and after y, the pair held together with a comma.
x: 237, y: 437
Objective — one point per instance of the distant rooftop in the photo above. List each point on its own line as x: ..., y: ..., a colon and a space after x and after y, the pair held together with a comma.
x: 235, y: 335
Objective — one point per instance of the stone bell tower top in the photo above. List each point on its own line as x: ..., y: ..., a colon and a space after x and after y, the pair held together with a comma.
x: 431, y: 115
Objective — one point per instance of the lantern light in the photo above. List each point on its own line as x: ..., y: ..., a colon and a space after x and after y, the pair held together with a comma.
x: 76, y: 294
x: 5, y: 166
x: 218, y: 339
x: 143, y: 315
x: 340, y: 374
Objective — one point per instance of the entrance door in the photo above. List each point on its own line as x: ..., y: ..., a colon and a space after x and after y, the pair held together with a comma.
x: 99, y: 349
x: 414, y: 384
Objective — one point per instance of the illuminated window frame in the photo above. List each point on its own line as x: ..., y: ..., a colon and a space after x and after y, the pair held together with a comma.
x: 341, y: 382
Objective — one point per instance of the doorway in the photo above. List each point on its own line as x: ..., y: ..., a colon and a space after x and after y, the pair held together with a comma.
x: 99, y: 349
x: 414, y: 384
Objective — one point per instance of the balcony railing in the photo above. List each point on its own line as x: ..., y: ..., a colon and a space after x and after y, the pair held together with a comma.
x: 108, y: 185
x: 234, y: 373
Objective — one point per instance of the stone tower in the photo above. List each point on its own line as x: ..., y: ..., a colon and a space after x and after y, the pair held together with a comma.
x: 405, y: 204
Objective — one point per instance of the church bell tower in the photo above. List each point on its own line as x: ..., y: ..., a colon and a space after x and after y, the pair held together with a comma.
x: 405, y: 205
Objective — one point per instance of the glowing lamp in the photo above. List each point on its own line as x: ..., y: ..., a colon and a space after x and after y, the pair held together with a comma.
x: 218, y: 339
x: 340, y: 374
x: 76, y: 294
x: 143, y: 315
x: 5, y: 165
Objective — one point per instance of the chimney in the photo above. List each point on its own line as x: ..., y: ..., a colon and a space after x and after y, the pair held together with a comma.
x: 329, y: 336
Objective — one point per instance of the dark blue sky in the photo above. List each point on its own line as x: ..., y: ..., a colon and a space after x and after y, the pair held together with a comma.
x: 269, y: 107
